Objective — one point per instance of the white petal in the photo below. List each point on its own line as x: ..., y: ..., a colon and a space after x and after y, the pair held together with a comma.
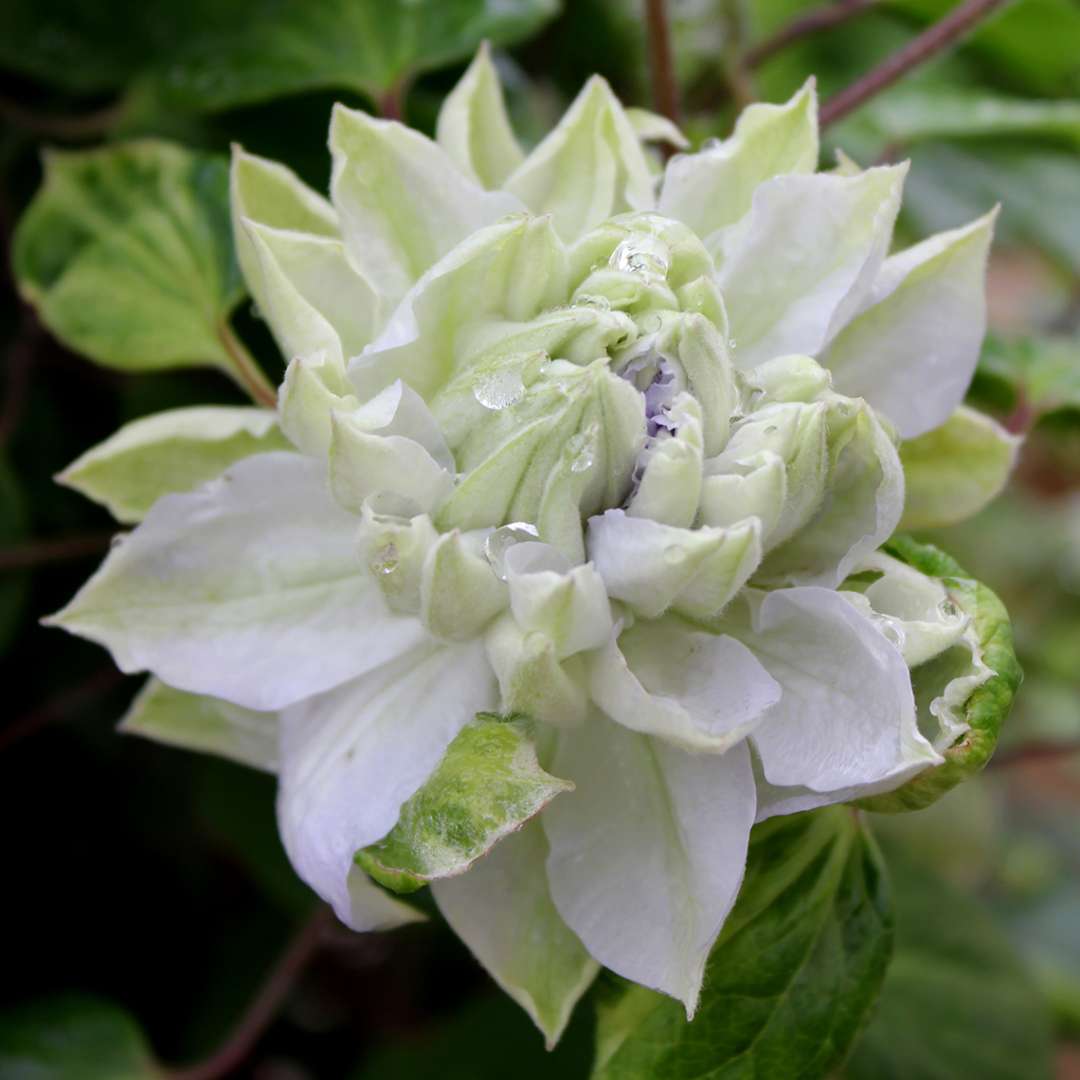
x: 648, y: 853
x: 697, y: 690
x: 590, y: 167
x: 402, y: 201
x: 714, y: 187
x: 847, y: 714
x: 473, y: 127
x: 351, y: 757
x: 502, y: 909
x: 249, y: 589
x: 795, y: 268
x: 912, y: 349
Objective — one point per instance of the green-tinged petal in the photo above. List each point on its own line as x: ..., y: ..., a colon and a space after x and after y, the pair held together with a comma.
x: 532, y: 678
x: 846, y: 719
x: 647, y: 853
x: 206, y: 724
x: 487, y: 786
x: 310, y: 294
x: 502, y: 909
x: 696, y: 690
x: 351, y: 758
x: 798, y: 265
x: 715, y: 187
x: 952, y: 472
x: 912, y: 348
x: 402, y: 201
x: 473, y: 127
x: 459, y: 592
x: 589, y: 168
x: 954, y: 694
x: 271, y: 194
x: 653, y: 567
x: 568, y: 605
x: 862, y: 500
x: 669, y: 490
x: 248, y: 589
x: 513, y: 270
x: 395, y: 549
x: 169, y: 452
x: 652, y: 127
x: 314, y: 388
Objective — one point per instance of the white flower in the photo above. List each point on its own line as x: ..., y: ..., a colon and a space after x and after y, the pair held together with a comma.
x: 589, y: 447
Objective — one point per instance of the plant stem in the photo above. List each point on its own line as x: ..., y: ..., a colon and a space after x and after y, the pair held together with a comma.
x: 76, y: 128
x: 37, y: 552
x: 265, y: 1005
x: 813, y: 22
x: 391, y: 105
x: 244, y: 369
x: 929, y: 43
x: 665, y: 87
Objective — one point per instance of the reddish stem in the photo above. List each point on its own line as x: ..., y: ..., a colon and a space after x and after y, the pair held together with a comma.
x: 665, y: 86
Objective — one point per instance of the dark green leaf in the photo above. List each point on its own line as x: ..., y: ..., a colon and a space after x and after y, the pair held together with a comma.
x: 798, y: 966
x: 73, y: 1038
x: 957, y: 1002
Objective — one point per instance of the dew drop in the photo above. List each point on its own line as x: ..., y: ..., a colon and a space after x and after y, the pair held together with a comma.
x: 592, y: 300
x: 503, y: 539
x: 674, y: 554
x: 385, y: 560
x: 949, y: 610
x: 497, y: 390
x: 893, y: 633
x: 641, y: 254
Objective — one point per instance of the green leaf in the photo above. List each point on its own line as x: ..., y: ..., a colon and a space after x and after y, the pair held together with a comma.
x: 952, y: 472
x: 790, y: 981
x: 126, y: 253
x: 487, y: 785
x: 1043, y: 371
x: 957, y: 1001
x: 73, y: 1038
x: 12, y: 532
x: 259, y: 49
x: 172, y: 451
x: 988, y: 705
x: 206, y: 724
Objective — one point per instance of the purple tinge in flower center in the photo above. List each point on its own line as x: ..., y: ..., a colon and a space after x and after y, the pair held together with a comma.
x: 659, y: 395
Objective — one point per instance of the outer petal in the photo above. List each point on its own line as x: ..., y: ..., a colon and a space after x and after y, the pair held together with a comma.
x: 715, y: 187
x: 267, y: 192
x: 473, y: 127
x: 590, y: 167
x: 249, y: 589
x: 912, y: 350
x: 953, y: 471
x: 696, y: 690
x: 648, y: 853
x: 310, y: 294
x: 502, y: 909
x: 847, y: 714
x: 402, y: 201
x: 350, y: 758
x: 796, y: 267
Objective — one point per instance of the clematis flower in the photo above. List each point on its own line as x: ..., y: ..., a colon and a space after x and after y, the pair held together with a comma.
x: 569, y: 571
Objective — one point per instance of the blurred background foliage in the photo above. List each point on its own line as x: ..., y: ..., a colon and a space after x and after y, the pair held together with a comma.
x: 146, y: 895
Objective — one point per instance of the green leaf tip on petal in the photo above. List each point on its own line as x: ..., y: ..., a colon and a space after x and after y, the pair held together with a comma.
x: 793, y: 976
x: 488, y: 785
x: 988, y: 705
x: 169, y: 452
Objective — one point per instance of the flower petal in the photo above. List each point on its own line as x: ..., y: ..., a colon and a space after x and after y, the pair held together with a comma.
x: 351, y: 757
x: 473, y: 127
x: 697, y: 690
x: 502, y: 909
x: 648, y: 852
x: 715, y: 187
x: 249, y: 589
x: 795, y: 268
x: 402, y: 201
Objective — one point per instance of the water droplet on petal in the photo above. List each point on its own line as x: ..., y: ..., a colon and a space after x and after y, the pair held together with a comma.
x: 641, y: 254
x: 949, y: 610
x: 498, y: 390
x: 385, y: 560
x: 893, y: 633
x: 592, y: 300
x: 674, y: 554
x: 503, y: 539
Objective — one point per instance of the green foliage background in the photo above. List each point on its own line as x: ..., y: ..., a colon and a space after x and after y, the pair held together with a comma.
x: 146, y: 894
